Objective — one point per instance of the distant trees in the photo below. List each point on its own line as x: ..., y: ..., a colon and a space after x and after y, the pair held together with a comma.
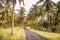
x: 58, y: 13
x: 42, y: 15
x: 4, y: 10
x: 48, y: 4
x: 21, y: 16
x: 39, y: 11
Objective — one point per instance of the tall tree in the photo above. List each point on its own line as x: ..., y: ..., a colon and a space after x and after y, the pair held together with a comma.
x: 4, y: 10
x: 48, y: 4
x: 58, y: 12
x: 21, y: 16
x: 14, y: 2
x: 8, y: 3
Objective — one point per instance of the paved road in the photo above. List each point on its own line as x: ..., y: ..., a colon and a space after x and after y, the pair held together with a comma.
x: 33, y: 36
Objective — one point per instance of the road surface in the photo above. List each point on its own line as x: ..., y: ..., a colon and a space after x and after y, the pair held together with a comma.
x: 33, y: 36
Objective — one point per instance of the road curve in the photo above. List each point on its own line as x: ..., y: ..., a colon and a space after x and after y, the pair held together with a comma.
x: 33, y: 36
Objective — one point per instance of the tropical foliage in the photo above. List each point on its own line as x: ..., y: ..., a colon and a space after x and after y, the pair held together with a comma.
x: 42, y: 17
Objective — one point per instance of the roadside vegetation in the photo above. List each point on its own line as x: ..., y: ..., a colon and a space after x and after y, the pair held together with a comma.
x: 42, y: 18
x: 48, y: 35
x: 5, y: 34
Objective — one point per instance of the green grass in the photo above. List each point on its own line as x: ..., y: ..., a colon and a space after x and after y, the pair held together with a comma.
x: 48, y: 35
x: 5, y: 34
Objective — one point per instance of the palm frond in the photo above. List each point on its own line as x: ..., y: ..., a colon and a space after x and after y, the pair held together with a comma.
x: 1, y: 6
x: 44, y: 4
x: 50, y: 4
x: 58, y: 6
x: 39, y: 1
x: 21, y: 1
x: 53, y: 3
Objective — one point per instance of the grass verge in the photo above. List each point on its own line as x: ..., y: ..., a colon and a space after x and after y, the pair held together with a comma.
x: 5, y: 34
x: 48, y: 35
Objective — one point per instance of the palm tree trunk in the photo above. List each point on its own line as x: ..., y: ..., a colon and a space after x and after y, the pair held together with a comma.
x: 12, y: 28
x: 2, y: 21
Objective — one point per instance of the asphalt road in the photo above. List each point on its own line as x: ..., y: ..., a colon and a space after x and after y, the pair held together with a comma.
x: 33, y: 36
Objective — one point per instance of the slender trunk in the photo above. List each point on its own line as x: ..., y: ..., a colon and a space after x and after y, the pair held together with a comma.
x: 2, y: 22
x: 12, y: 28
x: 41, y: 20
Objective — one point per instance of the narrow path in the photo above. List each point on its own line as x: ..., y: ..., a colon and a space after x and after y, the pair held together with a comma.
x: 33, y: 36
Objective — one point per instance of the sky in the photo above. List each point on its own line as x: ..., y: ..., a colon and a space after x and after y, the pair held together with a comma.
x: 28, y: 4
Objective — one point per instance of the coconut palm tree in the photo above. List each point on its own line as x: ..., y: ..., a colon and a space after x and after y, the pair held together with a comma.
x: 8, y: 3
x: 58, y: 13
x: 48, y: 4
x: 3, y: 9
x: 21, y: 16
x: 14, y: 2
